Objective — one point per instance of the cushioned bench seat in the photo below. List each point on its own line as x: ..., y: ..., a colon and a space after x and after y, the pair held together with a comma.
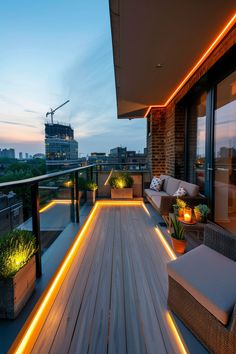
x: 209, y: 277
x: 164, y: 200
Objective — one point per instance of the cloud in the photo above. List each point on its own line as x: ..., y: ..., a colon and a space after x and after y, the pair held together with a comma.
x: 31, y: 111
x: 17, y: 123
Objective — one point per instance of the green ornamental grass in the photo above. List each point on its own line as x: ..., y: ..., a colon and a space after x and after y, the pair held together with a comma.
x: 16, y: 249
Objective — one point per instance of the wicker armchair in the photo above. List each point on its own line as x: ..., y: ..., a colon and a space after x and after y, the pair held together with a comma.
x: 217, y: 337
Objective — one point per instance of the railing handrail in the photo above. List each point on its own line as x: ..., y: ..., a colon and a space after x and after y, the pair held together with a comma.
x: 40, y: 178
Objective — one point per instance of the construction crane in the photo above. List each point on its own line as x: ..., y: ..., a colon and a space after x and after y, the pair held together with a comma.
x: 52, y: 111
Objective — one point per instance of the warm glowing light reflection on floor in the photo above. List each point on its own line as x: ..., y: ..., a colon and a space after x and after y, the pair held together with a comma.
x: 28, y: 334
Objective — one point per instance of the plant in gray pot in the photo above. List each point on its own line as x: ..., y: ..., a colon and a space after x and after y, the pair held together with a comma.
x: 91, y: 192
x: 177, y: 236
x: 121, y: 186
x: 17, y: 271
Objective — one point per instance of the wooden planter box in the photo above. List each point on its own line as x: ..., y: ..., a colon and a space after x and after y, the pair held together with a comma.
x: 121, y: 193
x: 91, y: 197
x: 15, y: 292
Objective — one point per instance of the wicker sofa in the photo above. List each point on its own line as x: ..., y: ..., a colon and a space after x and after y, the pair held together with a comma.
x: 163, y: 201
x: 202, y: 290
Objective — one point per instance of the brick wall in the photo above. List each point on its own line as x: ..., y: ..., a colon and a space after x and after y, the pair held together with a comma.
x: 167, y: 125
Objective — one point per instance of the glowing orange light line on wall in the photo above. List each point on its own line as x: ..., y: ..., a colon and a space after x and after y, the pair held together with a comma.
x: 225, y: 30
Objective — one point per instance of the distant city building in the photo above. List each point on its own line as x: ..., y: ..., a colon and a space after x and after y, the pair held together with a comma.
x: 61, y: 149
x: 8, y: 153
x: 97, y: 157
x: 39, y: 156
x: 122, y: 155
x: 20, y: 156
x: 26, y: 155
x: 11, y: 212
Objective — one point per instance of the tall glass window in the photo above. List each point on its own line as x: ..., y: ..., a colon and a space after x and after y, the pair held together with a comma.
x: 225, y: 153
x: 197, y: 141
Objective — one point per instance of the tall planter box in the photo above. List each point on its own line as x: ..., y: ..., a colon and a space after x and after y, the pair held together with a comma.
x: 121, y: 193
x: 91, y: 197
x: 15, y: 292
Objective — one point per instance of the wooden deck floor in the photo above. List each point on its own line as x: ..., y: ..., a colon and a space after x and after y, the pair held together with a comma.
x: 113, y: 299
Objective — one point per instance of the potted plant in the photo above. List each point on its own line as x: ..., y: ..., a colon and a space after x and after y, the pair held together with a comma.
x: 201, y: 212
x: 17, y: 271
x: 179, y: 207
x: 121, y: 186
x: 91, y: 187
x: 177, y: 236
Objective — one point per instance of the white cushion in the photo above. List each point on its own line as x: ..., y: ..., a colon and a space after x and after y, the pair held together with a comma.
x: 181, y: 192
x: 156, y: 184
x: 209, y: 277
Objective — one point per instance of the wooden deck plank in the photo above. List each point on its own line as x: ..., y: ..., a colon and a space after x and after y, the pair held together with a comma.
x: 49, y: 329
x: 155, y: 280
x: 151, y: 330
x: 100, y: 323
x: 117, y: 335
x: 114, y: 298
x: 134, y: 335
x: 80, y: 338
x: 62, y: 339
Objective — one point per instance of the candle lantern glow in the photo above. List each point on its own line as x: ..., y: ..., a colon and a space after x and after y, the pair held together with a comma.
x: 187, y: 214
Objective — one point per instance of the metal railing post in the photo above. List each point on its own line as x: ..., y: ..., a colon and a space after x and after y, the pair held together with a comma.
x: 77, y: 198
x: 72, y: 209
x: 91, y: 173
x: 36, y: 226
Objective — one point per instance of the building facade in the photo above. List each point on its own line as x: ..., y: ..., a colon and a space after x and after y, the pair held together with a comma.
x: 7, y: 153
x: 61, y: 149
x: 188, y: 100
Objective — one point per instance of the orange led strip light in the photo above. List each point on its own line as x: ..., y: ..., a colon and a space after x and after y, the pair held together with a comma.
x: 31, y: 329
x: 225, y: 30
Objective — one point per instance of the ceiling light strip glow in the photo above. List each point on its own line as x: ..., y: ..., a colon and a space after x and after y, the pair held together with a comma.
x: 225, y: 30
x: 29, y: 332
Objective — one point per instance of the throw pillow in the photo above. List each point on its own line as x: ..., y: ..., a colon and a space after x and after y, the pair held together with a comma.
x: 156, y: 184
x: 181, y: 192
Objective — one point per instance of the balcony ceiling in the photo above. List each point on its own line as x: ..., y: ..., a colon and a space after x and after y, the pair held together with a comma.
x: 170, y: 34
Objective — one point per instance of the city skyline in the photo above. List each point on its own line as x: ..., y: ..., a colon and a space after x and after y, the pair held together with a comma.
x: 64, y: 56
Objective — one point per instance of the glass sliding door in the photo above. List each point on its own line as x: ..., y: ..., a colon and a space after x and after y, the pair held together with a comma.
x: 197, y: 141
x: 225, y: 153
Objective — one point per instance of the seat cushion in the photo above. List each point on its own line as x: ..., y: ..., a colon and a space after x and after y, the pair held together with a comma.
x: 165, y: 179
x: 150, y: 192
x: 209, y: 277
x: 172, y: 185
x: 157, y: 198
x: 191, y: 189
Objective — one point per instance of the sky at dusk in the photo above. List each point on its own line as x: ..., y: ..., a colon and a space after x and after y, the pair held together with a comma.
x: 55, y: 50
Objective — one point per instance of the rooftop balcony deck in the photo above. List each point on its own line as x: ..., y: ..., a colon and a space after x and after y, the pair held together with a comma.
x: 110, y: 294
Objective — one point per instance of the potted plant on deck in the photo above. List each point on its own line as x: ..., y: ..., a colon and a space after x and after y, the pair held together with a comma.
x: 121, y: 186
x: 91, y: 187
x: 179, y: 207
x: 201, y: 213
x: 17, y: 271
x: 177, y: 236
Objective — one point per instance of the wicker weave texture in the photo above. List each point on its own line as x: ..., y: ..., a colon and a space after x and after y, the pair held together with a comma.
x: 213, y: 334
